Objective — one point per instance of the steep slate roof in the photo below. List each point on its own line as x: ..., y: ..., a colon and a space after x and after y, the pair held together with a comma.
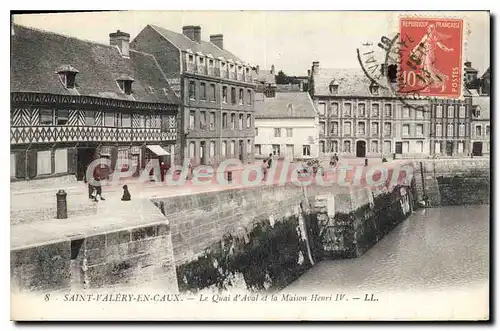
x: 486, y: 74
x: 279, y: 106
x: 184, y: 43
x: 484, y: 103
x: 36, y: 55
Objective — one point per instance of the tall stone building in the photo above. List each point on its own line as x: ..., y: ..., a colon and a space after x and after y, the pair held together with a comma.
x: 358, y: 118
x: 217, y: 91
x: 73, y: 101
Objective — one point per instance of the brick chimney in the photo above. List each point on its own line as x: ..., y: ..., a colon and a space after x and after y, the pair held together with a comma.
x: 315, y: 68
x: 193, y: 32
x: 122, y: 40
x: 272, y: 69
x: 217, y: 40
x: 257, y: 69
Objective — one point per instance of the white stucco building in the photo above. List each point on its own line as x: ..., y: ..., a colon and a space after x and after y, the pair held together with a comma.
x: 285, y: 125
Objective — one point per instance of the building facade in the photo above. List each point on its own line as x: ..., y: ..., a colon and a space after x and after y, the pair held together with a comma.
x: 286, y: 126
x: 480, y: 125
x: 73, y: 101
x: 357, y: 118
x: 216, y: 88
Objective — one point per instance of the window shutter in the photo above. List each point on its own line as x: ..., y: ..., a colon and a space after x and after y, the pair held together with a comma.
x: 72, y: 160
x: 32, y: 156
x: 21, y: 164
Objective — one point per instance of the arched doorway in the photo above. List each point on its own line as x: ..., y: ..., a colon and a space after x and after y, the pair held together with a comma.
x: 360, y: 148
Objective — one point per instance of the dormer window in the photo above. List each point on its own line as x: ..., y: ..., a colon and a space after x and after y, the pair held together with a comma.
x: 334, y: 87
x: 202, y: 60
x: 125, y: 84
x: 374, y: 89
x: 191, y: 58
x: 67, y: 75
x: 211, y: 62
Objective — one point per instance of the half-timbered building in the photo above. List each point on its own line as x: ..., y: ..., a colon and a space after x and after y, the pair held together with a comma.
x: 73, y: 101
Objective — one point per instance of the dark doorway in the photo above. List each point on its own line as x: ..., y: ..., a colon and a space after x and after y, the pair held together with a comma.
x: 241, y: 150
x: 449, y: 148
x: 203, y: 153
x: 399, y: 147
x: 84, y: 157
x: 477, y: 148
x: 360, y: 149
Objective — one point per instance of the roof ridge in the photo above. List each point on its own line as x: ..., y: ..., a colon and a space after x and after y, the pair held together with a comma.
x: 61, y: 35
x: 181, y: 34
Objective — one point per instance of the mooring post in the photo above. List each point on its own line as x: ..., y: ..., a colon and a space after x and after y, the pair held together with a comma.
x: 62, y: 206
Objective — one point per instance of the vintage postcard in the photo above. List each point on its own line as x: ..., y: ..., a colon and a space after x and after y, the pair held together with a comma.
x: 250, y: 165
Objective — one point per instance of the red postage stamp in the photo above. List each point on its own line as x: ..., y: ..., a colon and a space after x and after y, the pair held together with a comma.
x: 431, y: 57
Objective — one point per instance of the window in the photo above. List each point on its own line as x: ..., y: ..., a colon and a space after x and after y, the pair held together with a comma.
x: 232, y: 148
x: 276, y: 150
x: 347, y: 146
x: 334, y: 148
x: 191, y: 120
x: 347, y: 109
x: 203, y: 91
x: 277, y: 132
x: 388, y: 111
x: 322, y: 108
x: 478, y: 130
x: 347, y: 128
x: 462, y: 111
x: 450, y: 130
x: 361, y: 110
x: 477, y: 111
x: 387, y: 146
x: 420, y: 147
x: 203, y: 120
x: 202, y: 60
x: 191, y: 149
x: 439, y: 130
x: 321, y: 127
x: 375, y: 109
x: 374, y: 128
x: 223, y: 148
x: 249, y: 121
x: 420, y: 113
x: 212, y: 121
x: 233, y: 121
x: 461, y: 130
x: 240, y: 123
x: 439, y: 111
x: 460, y: 147
x: 374, y: 146
x: 233, y: 95
x: 306, y: 150
x: 249, y: 146
x: 420, y: 129
x: 224, y: 120
x: 450, y: 111
x: 212, y: 92
x: 46, y: 117
x: 334, y: 88
x: 256, y: 131
x: 387, y: 129
x: 487, y: 130
x: 191, y: 58
x: 361, y: 128
x: 322, y: 146
x: 125, y: 86
x: 240, y: 99
x: 406, y: 112
x: 212, y: 149
x: 249, y: 96
x: 335, y: 128
x: 374, y: 89
x: 211, y: 63
x: 127, y: 121
x: 62, y: 116
x: 192, y: 90
x: 406, y: 129
x: 109, y: 119
x: 437, y: 147
x: 89, y: 117
x: 289, y: 132
x: 43, y: 162
x: 335, y: 109
x: 224, y: 94
x: 258, y: 150
x: 148, y: 121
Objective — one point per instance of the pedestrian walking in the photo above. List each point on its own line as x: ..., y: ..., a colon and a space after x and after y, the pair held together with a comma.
x: 270, y: 161
x: 264, y: 169
x: 98, y: 188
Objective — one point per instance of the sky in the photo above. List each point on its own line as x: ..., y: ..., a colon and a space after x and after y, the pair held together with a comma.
x: 291, y: 40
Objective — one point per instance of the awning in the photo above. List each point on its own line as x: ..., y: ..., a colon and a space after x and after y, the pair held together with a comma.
x: 158, y: 150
